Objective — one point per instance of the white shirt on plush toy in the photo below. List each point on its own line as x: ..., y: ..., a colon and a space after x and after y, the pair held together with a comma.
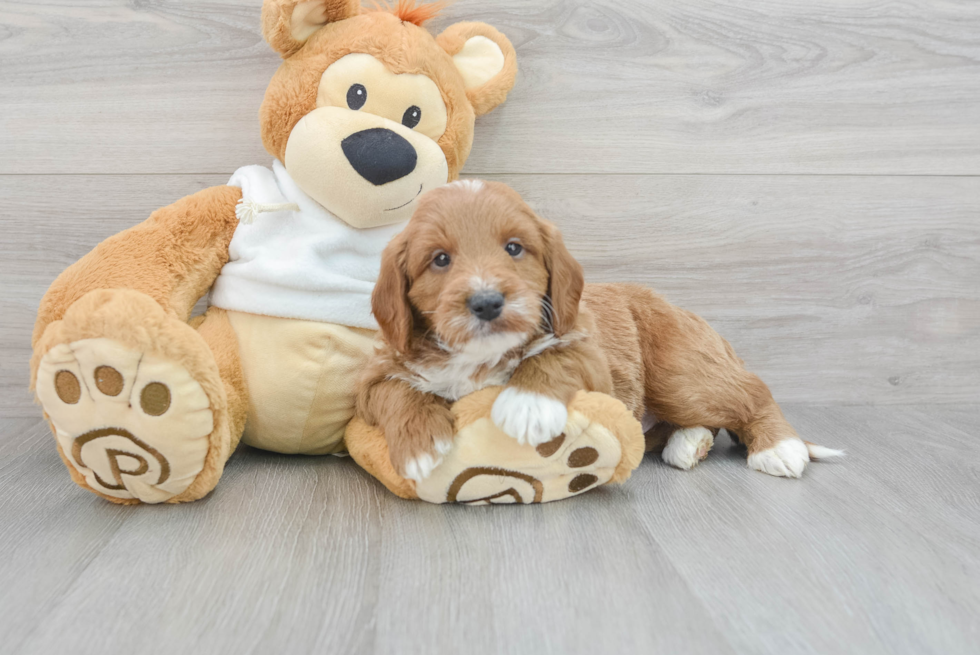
x: 304, y: 264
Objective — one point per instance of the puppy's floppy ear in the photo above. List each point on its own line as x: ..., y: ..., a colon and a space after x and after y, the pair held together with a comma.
x: 287, y: 24
x: 485, y: 59
x: 565, y: 280
x: 389, y: 301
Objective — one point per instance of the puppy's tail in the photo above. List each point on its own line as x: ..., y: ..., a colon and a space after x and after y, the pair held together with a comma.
x: 822, y: 452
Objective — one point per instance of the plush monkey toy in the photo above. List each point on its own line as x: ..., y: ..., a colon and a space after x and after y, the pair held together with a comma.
x: 367, y: 111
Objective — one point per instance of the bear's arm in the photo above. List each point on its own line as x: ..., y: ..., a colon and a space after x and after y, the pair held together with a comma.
x: 173, y: 256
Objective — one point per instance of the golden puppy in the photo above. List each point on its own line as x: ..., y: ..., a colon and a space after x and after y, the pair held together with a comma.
x: 479, y: 291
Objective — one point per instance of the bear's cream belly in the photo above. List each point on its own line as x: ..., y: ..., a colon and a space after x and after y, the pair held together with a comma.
x: 300, y: 376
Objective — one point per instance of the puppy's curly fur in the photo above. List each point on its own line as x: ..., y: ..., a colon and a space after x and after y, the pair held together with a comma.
x: 553, y: 336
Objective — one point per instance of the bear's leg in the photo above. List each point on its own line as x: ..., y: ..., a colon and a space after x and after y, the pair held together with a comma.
x: 141, y: 408
x: 215, y: 328
x: 602, y: 442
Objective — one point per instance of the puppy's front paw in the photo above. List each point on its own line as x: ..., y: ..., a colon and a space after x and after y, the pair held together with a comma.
x: 531, y: 418
x: 421, y: 467
x: 786, y: 459
x: 416, y: 447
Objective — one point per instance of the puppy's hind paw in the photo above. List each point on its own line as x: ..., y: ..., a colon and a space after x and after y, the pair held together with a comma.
x: 530, y: 418
x: 688, y: 446
x: 787, y: 459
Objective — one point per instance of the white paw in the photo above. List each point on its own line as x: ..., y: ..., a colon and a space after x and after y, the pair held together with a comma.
x: 688, y: 446
x: 529, y: 417
x: 786, y: 459
x: 421, y: 467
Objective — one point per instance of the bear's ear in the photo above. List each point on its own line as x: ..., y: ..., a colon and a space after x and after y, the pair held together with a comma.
x: 485, y: 59
x: 287, y: 24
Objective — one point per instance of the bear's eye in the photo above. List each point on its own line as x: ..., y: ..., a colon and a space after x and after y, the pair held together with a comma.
x: 411, y: 117
x: 441, y: 260
x: 356, y: 96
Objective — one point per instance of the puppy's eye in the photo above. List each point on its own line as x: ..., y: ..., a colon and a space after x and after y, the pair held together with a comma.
x: 411, y: 117
x: 514, y: 249
x: 356, y: 96
x: 441, y: 260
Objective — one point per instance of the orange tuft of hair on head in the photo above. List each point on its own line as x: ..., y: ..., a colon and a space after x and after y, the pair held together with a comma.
x: 412, y: 11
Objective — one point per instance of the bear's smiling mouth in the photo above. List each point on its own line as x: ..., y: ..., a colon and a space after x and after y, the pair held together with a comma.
x: 407, y: 203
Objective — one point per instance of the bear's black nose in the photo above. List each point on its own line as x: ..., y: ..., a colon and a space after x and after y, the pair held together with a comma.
x: 486, y: 305
x: 379, y: 155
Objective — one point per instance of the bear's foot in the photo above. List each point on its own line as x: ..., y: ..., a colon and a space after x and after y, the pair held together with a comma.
x: 134, y: 398
x: 133, y: 424
x: 600, y: 443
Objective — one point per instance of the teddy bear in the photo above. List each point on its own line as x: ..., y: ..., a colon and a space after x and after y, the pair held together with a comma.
x: 366, y: 112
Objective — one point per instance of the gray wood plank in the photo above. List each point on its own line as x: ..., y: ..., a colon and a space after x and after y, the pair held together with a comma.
x: 49, y: 533
x: 833, y: 288
x: 533, y: 582
x: 964, y: 418
x: 877, y: 553
x: 705, y: 86
x: 840, y: 562
x: 105, y: 86
x: 284, y: 551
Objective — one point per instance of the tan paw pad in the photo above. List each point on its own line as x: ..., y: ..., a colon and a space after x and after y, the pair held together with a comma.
x: 486, y: 466
x: 133, y: 424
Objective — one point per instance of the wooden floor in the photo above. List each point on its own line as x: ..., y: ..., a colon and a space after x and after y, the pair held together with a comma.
x: 879, y: 553
x: 805, y: 175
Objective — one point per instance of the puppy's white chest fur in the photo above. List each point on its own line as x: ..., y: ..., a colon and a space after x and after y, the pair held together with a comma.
x: 481, y: 363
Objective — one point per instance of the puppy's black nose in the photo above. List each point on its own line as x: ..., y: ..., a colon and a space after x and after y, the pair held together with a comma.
x: 379, y: 155
x: 486, y: 305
